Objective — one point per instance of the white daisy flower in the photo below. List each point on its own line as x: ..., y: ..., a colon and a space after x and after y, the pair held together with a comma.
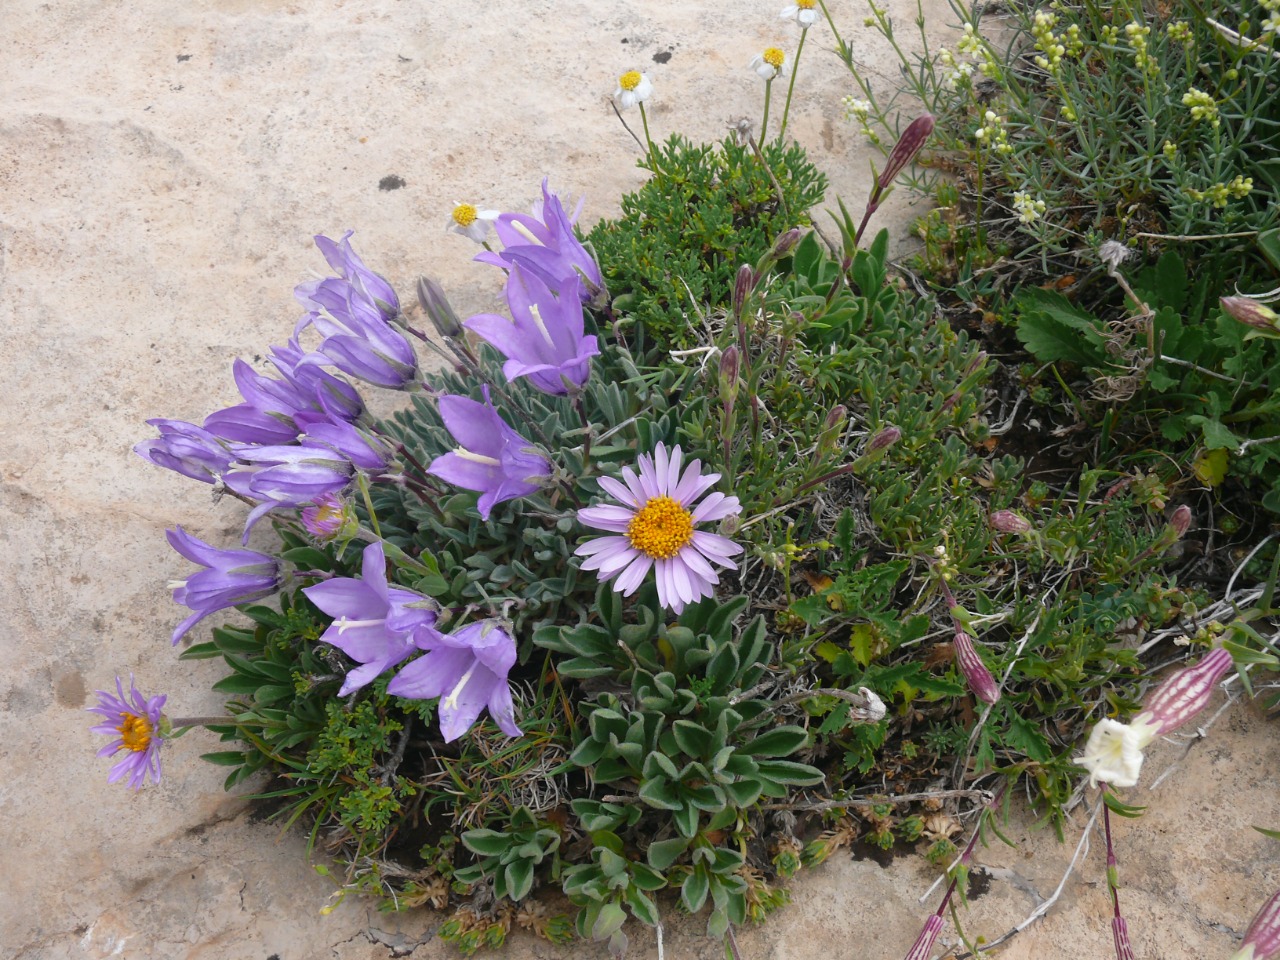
x: 467, y: 220
x: 633, y: 87
x: 803, y: 12
x: 770, y: 63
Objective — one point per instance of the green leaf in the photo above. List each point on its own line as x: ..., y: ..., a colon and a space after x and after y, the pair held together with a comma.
x: 663, y: 853
x: 790, y: 773
x: 693, y: 892
x: 519, y: 878
x: 487, y: 843
x: 609, y: 921
x: 225, y: 758
x: 1053, y: 329
x: 779, y: 742
x: 200, y: 651
x: 693, y: 738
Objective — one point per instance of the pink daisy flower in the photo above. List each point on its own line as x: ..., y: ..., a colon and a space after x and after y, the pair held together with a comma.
x: 654, y: 527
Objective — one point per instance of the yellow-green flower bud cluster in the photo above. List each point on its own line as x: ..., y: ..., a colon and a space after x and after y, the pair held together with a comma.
x: 1110, y: 34
x: 859, y: 111
x: 1136, y: 35
x: 1203, y: 106
x: 1221, y: 193
x: 1170, y: 150
x: 1027, y: 208
x: 1179, y: 31
x: 1047, y: 42
x: 992, y: 134
x: 956, y: 73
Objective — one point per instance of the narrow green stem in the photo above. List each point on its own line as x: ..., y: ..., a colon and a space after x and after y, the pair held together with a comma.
x: 363, y: 484
x: 653, y: 156
x: 764, y: 123
x: 795, y: 68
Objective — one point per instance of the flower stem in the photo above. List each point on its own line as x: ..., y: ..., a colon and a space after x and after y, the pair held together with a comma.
x: 764, y: 123
x: 653, y: 156
x: 795, y: 65
x: 363, y: 484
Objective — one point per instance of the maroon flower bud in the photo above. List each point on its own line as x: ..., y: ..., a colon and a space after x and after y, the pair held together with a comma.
x: 884, y: 439
x: 904, y: 151
x: 1006, y: 521
x: 922, y: 949
x: 981, y: 684
x: 832, y: 427
x: 743, y: 284
x: 1120, y: 931
x: 1183, y: 695
x: 1262, y: 939
x: 785, y: 243
x: 1180, y: 522
x: 1251, y: 312
x: 729, y: 376
x: 436, y: 306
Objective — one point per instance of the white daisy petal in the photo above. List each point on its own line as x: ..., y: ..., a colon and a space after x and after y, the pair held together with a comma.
x: 634, y: 484
x: 607, y: 517
x: 634, y: 575
x: 599, y: 544
x: 673, y: 471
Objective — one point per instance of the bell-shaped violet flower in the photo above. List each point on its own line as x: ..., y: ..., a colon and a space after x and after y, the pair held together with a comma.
x: 468, y: 671
x: 267, y: 414
x: 286, y: 476
x: 186, y: 449
x: 334, y: 398
x: 232, y: 577
x: 544, y: 338
x: 364, y: 451
x: 374, y: 623
x: 357, y: 338
x: 546, y: 245
x: 352, y: 270
x: 491, y: 457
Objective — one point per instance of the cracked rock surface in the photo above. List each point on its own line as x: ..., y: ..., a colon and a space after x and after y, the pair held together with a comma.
x: 163, y: 167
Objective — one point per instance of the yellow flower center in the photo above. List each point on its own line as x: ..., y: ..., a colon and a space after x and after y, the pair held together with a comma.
x: 774, y: 57
x: 629, y: 80
x: 135, y: 732
x: 806, y: 4
x: 661, y: 528
x: 464, y: 214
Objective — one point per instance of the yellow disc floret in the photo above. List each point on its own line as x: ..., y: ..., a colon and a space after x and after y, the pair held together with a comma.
x: 464, y: 214
x: 135, y: 732
x: 661, y: 529
x: 806, y: 4
x: 630, y: 80
x: 773, y: 57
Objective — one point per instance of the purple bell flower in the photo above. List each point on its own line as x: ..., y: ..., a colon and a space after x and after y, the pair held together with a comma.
x: 266, y: 416
x: 468, y: 671
x: 491, y: 457
x: 232, y: 577
x: 334, y: 398
x: 351, y: 269
x: 186, y: 449
x: 365, y: 452
x: 357, y: 338
x: 374, y: 623
x: 544, y: 340
x: 286, y: 476
x: 545, y: 245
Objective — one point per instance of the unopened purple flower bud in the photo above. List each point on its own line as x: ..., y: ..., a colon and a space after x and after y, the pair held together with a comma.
x: 1180, y: 522
x: 904, y: 151
x: 981, y: 684
x: 436, y: 306
x: 922, y: 949
x: 1249, y: 311
x: 743, y: 284
x: 330, y: 518
x: 1007, y: 521
x: 786, y: 243
x: 884, y: 439
x: 1184, y: 694
x: 1262, y: 939
x: 729, y: 360
x: 1120, y: 931
x: 832, y: 428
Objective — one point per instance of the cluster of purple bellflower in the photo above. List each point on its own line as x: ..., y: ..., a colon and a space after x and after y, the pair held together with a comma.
x: 304, y: 441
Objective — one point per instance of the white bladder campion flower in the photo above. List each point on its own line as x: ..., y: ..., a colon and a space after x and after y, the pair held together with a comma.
x: 1113, y: 754
x: 633, y: 88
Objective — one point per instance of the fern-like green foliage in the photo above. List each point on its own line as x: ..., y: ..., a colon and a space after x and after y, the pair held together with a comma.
x: 707, y: 209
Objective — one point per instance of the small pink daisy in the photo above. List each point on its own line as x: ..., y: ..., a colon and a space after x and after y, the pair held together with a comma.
x: 655, y: 527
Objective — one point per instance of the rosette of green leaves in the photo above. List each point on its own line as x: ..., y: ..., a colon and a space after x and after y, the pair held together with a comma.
x: 509, y: 857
